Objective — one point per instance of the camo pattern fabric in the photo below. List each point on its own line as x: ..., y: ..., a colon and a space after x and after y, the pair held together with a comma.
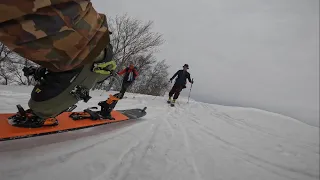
x: 57, y: 34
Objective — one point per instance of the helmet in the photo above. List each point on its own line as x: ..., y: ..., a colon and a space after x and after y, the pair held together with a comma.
x: 186, y: 65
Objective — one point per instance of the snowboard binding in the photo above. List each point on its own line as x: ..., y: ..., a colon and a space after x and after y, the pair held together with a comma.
x: 27, y: 119
x: 104, y: 113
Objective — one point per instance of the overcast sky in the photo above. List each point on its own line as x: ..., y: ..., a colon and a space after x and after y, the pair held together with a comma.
x: 256, y: 53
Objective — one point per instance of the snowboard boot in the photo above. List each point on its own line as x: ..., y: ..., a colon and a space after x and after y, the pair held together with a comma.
x: 58, y: 91
x: 169, y: 100
x: 173, y: 102
x: 28, y: 119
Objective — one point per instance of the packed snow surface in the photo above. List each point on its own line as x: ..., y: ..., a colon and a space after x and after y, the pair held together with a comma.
x: 192, y: 141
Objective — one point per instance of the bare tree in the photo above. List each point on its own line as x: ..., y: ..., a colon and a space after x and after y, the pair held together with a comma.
x: 132, y: 41
x: 6, y: 70
x: 4, y: 52
x: 11, y: 73
x: 11, y: 65
x: 143, y: 62
x: 19, y: 78
x: 132, y: 38
x: 154, y: 81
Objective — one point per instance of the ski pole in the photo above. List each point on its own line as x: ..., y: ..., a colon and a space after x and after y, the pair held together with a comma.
x: 190, y: 90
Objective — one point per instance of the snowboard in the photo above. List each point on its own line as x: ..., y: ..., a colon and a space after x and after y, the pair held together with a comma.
x: 66, y: 123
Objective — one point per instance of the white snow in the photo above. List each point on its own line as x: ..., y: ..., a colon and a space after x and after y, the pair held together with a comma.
x: 192, y: 141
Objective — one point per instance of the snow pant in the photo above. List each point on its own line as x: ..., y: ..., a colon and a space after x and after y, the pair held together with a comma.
x: 175, y: 91
x: 125, y: 85
x: 53, y: 97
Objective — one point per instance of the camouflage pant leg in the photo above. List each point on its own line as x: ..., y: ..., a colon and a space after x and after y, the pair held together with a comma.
x: 51, y: 107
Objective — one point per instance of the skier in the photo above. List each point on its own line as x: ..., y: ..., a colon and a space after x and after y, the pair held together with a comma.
x: 130, y: 76
x: 70, y: 41
x: 180, y: 83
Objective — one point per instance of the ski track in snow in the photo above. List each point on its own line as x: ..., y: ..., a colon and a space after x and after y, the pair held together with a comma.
x: 191, y: 141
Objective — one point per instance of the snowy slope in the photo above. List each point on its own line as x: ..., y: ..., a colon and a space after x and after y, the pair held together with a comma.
x: 194, y: 141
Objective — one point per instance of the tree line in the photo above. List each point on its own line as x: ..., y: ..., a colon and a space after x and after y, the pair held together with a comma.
x: 133, y: 41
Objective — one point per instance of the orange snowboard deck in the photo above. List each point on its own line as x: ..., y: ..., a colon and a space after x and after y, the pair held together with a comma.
x: 8, y: 131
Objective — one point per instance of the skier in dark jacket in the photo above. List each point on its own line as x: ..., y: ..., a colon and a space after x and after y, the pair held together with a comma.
x: 130, y: 76
x: 180, y: 83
